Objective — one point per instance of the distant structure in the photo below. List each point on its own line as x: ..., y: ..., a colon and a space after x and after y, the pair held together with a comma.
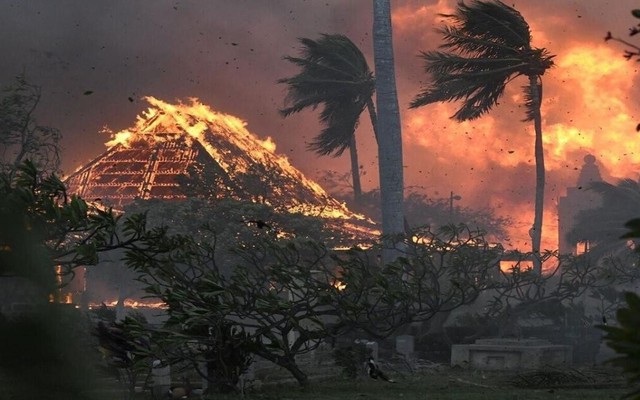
x: 578, y: 198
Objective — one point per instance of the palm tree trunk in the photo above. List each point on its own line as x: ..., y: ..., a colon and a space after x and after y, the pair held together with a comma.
x: 388, y: 128
x: 371, y: 109
x: 355, y: 171
x: 535, y: 85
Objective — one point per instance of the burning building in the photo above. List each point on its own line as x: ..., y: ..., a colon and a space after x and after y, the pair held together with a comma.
x: 179, y: 150
x: 185, y: 150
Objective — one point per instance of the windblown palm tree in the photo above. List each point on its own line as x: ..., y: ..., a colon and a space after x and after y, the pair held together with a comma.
x: 489, y: 45
x: 334, y: 73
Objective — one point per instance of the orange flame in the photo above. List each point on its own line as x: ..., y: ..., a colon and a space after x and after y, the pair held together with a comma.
x: 130, y: 303
x: 164, y: 121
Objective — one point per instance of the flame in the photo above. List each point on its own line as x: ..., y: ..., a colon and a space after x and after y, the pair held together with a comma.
x: 338, y: 284
x: 586, y: 110
x: 198, y: 122
x: 130, y: 303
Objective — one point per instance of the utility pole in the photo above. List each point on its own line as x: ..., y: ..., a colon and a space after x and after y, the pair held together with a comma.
x: 451, y: 199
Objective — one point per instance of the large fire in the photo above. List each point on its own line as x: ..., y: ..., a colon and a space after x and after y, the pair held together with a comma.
x: 202, y: 124
x: 588, y: 108
x: 152, y: 158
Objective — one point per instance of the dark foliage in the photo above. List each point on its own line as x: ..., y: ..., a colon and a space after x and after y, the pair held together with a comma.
x: 625, y: 340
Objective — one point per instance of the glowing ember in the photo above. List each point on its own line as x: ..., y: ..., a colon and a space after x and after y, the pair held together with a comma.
x: 339, y: 285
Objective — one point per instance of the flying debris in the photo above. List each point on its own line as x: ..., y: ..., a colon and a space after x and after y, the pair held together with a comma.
x: 130, y: 99
x: 375, y: 373
x: 88, y: 92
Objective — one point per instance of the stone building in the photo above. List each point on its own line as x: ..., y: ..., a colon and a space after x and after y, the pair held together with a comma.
x: 578, y: 198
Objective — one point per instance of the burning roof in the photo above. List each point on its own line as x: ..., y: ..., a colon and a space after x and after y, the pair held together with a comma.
x: 178, y: 150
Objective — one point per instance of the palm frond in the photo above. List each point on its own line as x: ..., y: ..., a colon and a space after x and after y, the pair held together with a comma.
x: 489, y: 45
x: 456, y: 39
x: 437, y: 62
x: 341, y: 120
x: 467, y: 79
x: 333, y: 75
x: 494, y: 21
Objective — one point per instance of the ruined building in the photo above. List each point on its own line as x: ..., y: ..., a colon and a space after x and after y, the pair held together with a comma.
x: 179, y: 150
x: 578, y: 198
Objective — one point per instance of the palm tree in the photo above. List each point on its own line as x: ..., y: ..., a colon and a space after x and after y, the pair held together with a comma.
x: 602, y: 227
x: 334, y: 73
x: 489, y: 45
x: 389, y: 132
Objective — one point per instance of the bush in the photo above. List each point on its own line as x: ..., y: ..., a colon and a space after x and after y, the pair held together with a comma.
x: 625, y: 340
x: 48, y: 351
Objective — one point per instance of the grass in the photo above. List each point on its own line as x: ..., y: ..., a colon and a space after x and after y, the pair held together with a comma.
x: 442, y: 384
x: 446, y: 384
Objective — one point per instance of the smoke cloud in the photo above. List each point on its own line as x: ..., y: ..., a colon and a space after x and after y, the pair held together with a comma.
x: 229, y: 54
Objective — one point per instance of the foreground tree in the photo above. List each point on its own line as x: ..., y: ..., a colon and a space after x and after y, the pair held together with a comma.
x: 625, y: 341
x: 521, y: 293
x: 21, y: 137
x: 46, y: 234
x: 44, y: 228
x: 632, y: 50
x: 389, y: 129
x: 490, y: 45
x: 334, y: 73
x: 277, y: 298
x: 283, y: 298
x: 126, y: 348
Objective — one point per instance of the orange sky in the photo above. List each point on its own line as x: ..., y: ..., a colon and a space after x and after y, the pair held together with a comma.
x: 229, y: 54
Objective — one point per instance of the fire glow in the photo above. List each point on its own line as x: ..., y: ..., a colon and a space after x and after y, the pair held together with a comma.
x: 164, y: 121
x: 586, y: 110
x: 129, y: 303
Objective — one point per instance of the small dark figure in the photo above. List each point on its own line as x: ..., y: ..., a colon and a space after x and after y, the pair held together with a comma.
x: 259, y: 223
x: 375, y: 373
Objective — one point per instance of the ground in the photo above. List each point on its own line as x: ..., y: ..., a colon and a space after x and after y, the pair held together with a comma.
x: 441, y: 383
x: 457, y: 384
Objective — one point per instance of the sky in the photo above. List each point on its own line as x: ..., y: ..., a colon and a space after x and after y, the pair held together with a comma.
x: 229, y: 54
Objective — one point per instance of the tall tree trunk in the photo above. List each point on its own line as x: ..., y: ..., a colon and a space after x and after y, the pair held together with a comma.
x: 536, y: 232
x: 388, y: 130
x: 371, y: 109
x: 286, y: 362
x: 355, y: 171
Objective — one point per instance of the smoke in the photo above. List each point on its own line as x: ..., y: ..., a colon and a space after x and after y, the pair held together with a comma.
x: 229, y: 54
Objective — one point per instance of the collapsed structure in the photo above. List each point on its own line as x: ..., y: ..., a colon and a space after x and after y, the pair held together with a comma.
x: 174, y: 151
